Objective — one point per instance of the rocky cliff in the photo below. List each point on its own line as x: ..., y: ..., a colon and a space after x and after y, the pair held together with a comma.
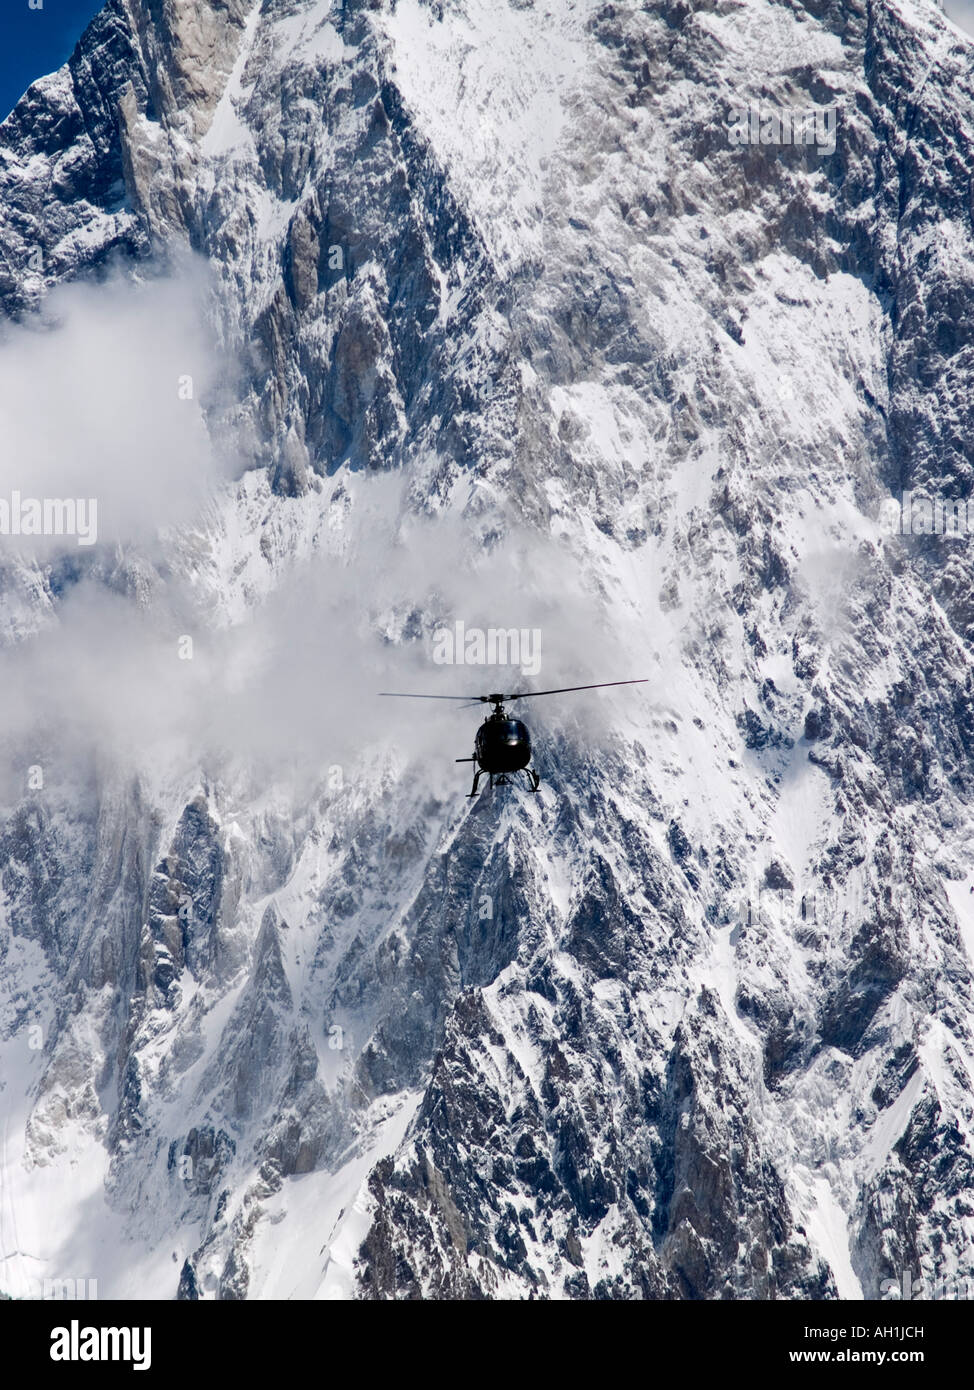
x: 519, y: 336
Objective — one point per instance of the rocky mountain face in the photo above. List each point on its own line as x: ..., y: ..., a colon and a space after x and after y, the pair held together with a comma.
x: 696, y: 1021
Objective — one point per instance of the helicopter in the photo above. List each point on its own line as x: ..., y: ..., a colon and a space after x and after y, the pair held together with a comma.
x: 502, y: 746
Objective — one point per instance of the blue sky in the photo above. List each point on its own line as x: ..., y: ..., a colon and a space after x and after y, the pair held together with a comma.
x: 35, y: 42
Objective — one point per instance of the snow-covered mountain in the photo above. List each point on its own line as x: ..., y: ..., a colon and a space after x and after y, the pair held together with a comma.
x: 491, y: 320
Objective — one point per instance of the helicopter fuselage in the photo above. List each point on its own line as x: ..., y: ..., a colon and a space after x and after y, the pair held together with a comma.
x: 503, y: 744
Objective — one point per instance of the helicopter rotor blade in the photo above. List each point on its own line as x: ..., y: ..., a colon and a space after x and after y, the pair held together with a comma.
x: 410, y: 695
x: 471, y: 700
x: 565, y: 689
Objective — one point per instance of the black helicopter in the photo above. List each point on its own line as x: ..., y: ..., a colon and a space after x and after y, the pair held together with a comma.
x: 503, y: 744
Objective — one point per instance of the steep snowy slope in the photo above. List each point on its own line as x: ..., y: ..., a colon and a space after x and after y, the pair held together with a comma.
x: 514, y: 335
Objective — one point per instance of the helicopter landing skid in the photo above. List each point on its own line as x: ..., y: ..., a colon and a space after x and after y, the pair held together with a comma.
x: 500, y: 779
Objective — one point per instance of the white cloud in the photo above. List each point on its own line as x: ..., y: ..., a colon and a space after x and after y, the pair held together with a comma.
x: 91, y: 405
x: 293, y: 689
x: 100, y: 397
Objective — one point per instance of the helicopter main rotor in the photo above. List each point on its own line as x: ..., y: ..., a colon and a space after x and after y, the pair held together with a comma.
x: 506, y: 699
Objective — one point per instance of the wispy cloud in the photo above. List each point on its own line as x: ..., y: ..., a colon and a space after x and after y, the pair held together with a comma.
x: 100, y: 398
x: 292, y: 690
